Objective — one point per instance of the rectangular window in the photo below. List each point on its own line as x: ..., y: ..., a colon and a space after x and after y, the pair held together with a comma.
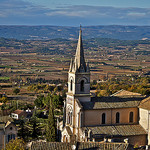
x: 10, y: 137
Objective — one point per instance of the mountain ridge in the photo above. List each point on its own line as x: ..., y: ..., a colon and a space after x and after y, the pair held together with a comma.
x: 46, y: 32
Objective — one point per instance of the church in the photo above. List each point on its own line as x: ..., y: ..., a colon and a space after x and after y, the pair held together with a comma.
x: 116, y: 118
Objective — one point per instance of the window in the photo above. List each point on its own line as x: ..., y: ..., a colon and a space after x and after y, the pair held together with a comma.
x: 71, y: 86
x: 117, y: 117
x: 103, y: 118
x: 10, y: 137
x: 86, y: 133
x: 131, y: 117
x: 69, y: 118
x: 82, y: 86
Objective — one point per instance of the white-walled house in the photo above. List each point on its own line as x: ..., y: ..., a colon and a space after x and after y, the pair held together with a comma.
x: 18, y: 114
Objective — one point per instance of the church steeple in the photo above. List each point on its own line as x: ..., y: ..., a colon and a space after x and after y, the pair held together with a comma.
x: 79, y: 64
x: 78, y: 91
x: 79, y: 74
x: 80, y: 54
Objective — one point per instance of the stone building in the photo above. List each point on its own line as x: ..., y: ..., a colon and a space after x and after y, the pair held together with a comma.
x: 8, y: 130
x: 144, y: 116
x: 86, y: 118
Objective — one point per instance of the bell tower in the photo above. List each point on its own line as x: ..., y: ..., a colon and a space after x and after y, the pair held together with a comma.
x: 79, y: 75
x: 78, y: 92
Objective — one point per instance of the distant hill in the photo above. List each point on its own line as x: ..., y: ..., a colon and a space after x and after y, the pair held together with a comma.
x: 53, y: 32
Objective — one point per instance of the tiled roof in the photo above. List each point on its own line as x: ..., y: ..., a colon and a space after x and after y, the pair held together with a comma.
x: 4, y: 119
x: 18, y: 111
x: 2, y: 125
x: 117, y: 130
x: 79, y: 146
x: 102, y: 146
x: 125, y: 93
x: 145, y: 104
x: 50, y: 146
x: 112, y: 102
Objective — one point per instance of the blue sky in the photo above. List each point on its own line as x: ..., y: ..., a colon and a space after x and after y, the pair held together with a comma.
x: 74, y: 12
x: 113, y: 3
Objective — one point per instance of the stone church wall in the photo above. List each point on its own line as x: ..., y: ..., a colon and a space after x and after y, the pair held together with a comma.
x: 94, y: 117
x: 144, y: 116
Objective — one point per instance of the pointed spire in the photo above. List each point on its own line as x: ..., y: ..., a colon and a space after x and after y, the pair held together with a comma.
x: 80, y: 53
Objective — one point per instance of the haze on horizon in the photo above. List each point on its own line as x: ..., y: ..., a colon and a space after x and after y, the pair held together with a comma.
x: 73, y: 13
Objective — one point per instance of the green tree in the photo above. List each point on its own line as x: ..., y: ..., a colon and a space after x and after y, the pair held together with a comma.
x: 56, y: 89
x: 17, y: 144
x: 16, y: 91
x: 4, y: 99
x: 34, y: 125
x: 21, y: 131
x: 51, y: 127
x: 56, y: 100
x: 39, y: 101
x: 3, y: 107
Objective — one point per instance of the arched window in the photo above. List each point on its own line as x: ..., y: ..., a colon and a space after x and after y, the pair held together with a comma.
x: 117, y: 117
x: 131, y: 117
x: 82, y: 86
x: 69, y: 118
x: 69, y: 115
x: 71, y: 86
x: 103, y: 118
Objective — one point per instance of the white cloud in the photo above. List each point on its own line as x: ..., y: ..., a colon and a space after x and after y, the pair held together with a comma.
x: 19, y: 8
x: 136, y: 14
x: 78, y: 11
x: 25, y: 12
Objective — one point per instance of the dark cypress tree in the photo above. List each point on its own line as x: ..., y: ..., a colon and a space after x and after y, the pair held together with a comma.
x: 51, y: 126
x: 21, y: 131
x: 35, y: 127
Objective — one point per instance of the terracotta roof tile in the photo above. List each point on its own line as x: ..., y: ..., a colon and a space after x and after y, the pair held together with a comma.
x: 125, y: 93
x: 4, y: 119
x: 18, y: 111
x: 102, y: 146
x: 112, y: 102
x: 79, y: 146
x: 119, y: 130
x: 50, y: 146
x: 145, y: 104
